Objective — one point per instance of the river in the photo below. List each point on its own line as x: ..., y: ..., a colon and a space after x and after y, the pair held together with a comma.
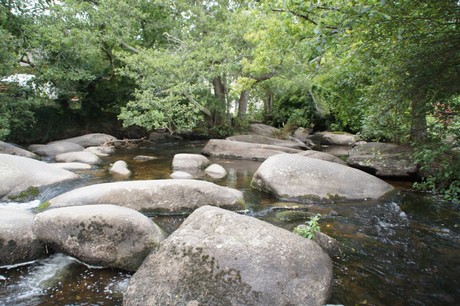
x: 403, y: 250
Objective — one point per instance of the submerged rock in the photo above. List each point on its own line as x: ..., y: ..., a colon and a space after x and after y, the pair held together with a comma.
x: 23, y: 177
x: 243, y: 150
x: 299, y: 178
x: 104, y: 235
x: 157, y: 196
x: 218, y: 257
x: 17, y: 241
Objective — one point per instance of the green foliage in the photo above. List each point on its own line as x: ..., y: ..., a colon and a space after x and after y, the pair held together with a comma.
x: 309, y: 229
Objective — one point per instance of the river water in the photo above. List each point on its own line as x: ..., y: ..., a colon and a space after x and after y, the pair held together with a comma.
x: 403, y: 250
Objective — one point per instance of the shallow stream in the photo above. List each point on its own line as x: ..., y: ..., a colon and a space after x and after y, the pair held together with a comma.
x: 404, y: 250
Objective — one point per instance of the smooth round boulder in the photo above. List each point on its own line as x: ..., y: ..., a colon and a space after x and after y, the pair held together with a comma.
x: 56, y: 148
x: 218, y: 257
x: 120, y: 168
x: 81, y: 157
x: 186, y: 161
x: 216, y: 171
x: 155, y: 196
x: 17, y: 240
x: 8, y: 148
x: 103, y: 235
x: 303, y: 179
x: 92, y: 140
x: 23, y: 177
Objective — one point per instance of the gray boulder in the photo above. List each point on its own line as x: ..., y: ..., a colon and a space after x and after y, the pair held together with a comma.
x: 218, y: 257
x: 336, y: 139
x: 383, y: 159
x: 303, y: 179
x: 120, y: 168
x: 158, y: 196
x: 92, y: 140
x: 243, y: 150
x: 186, y: 161
x: 180, y: 175
x: 23, y: 177
x: 56, y: 148
x: 302, y: 134
x: 269, y: 141
x: 323, y: 156
x: 81, y: 157
x: 8, y: 148
x: 104, y: 235
x: 17, y: 241
x: 216, y: 171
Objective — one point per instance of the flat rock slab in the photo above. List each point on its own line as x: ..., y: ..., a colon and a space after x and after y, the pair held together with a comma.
x: 17, y: 241
x: 104, y: 235
x: 156, y: 196
x: 268, y: 141
x: 243, y: 150
x: 303, y: 179
x: 383, y: 159
x: 20, y: 176
x: 90, y: 140
x: 218, y: 257
x: 8, y: 148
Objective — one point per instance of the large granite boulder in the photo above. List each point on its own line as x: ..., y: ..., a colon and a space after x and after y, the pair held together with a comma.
x: 243, y: 150
x: 383, y: 159
x: 17, y: 240
x: 323, y: 156
x: 269, y: 141
x: 157, y: 196
x: 104, y: 235
x: 91, y: 140
x: 56, y: 148
x: 303, y: 179
x: 79, y: 157
x: 8, y: 148
x: 23, y: 177
x: 218, y: 257
x: 185, y: 161
x: 338, y: 139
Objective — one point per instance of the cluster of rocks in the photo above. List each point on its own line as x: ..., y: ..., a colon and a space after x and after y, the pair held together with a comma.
x: 216, y: 254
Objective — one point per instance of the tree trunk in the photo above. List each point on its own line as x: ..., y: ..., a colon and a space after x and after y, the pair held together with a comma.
x: 243, y: 104
x: 219, y: 111
x: 418, y: 120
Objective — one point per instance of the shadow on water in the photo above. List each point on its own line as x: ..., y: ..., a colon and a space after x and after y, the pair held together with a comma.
x: 402, y: 251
